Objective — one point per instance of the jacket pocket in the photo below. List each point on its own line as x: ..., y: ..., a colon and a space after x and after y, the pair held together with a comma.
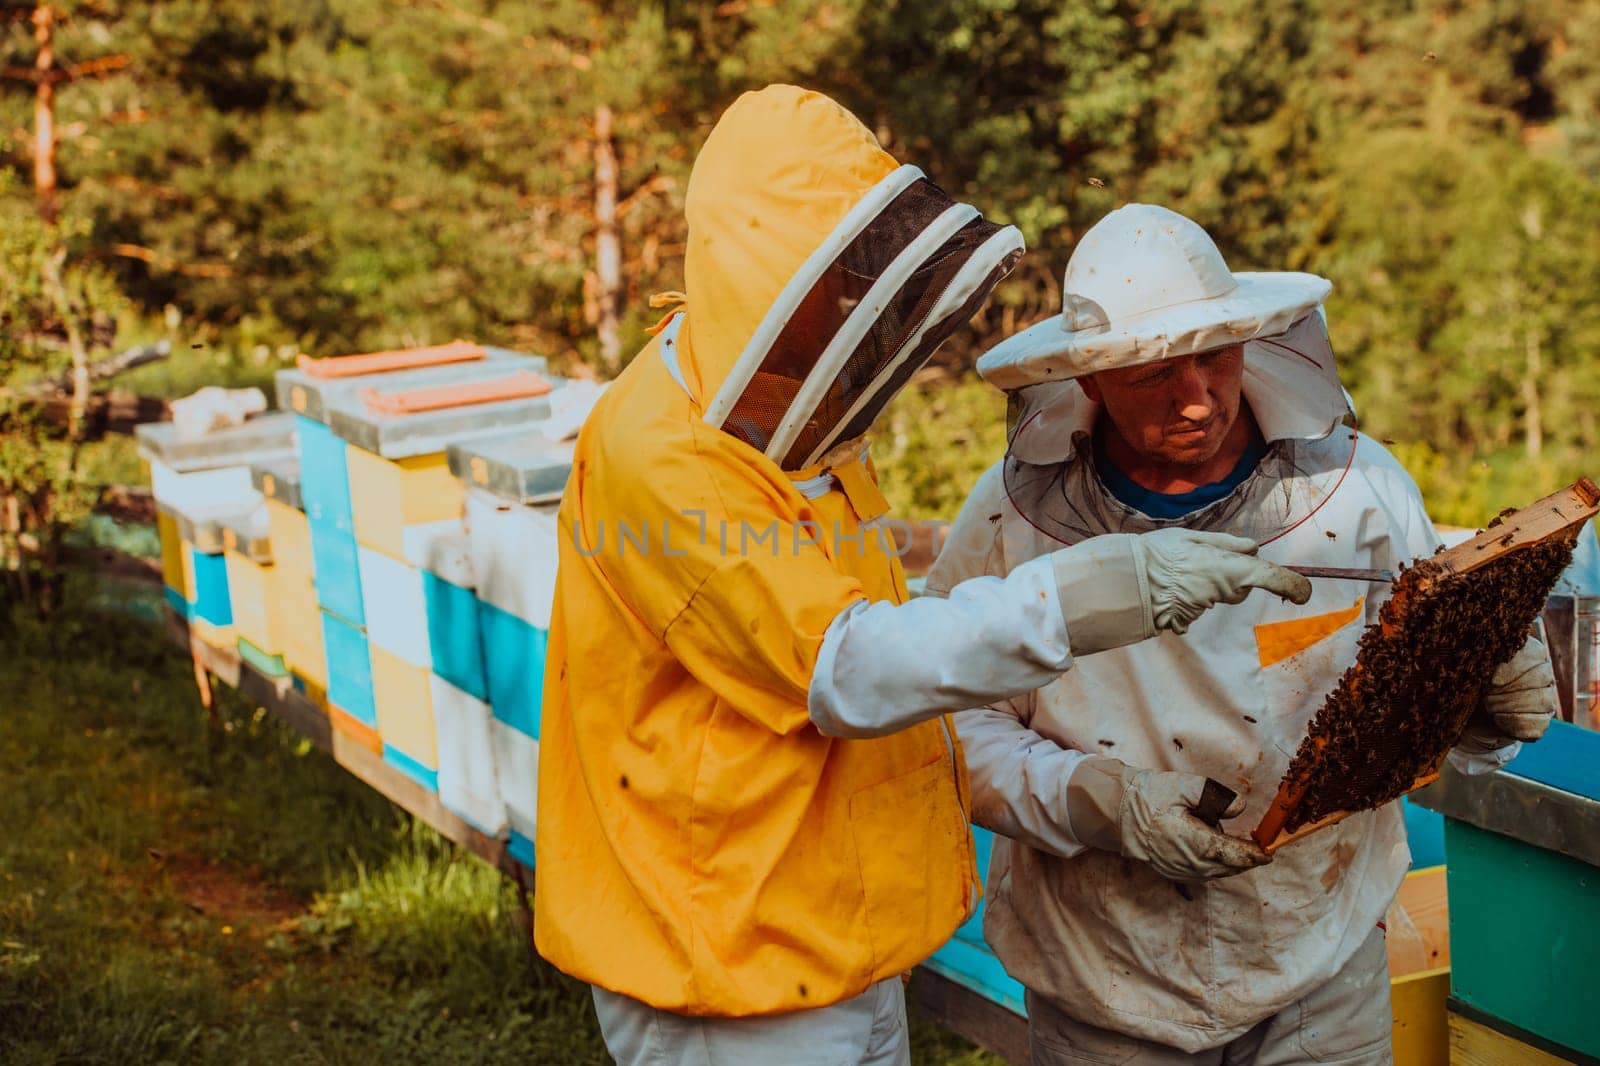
x: 912, y: 846
x: 1349, y: 1018
x: 1277, y: 641
x: 1158, y: 951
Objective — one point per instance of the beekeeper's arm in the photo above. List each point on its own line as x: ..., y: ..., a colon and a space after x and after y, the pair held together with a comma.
x: 789, y: 640
x: 748, y: 601
x: 720, y: 565
x: 1027, y: 787
x: 1058, y: 799
x: 884, y: 666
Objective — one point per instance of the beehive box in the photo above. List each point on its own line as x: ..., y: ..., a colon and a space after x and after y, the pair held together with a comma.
x: 514, y: 557
x: 1524, y: 855
x: 225, y: 454
x: 401, y: 496
x: 526, y: 467
x: 398, y: 632
x: 247, y: 557
x: 297, y: 616
x: 402, y: 695
x: 455, y: 640
x: 228, y: 555
x: 175, y: 574
x: 1526, y: 929
x: 399, y: 470
x: 468, y: 782
x: 1420, y: 673
x: 1480, y: 1042
x: 515, y: 482
x: 194, y: 483
x: 325, y: 488
x: 211, y: 611
x: 288, y: 531
x: 352, y: 708
x: 1418, y: 942
x: 313, y: 384
x: 309, y: 391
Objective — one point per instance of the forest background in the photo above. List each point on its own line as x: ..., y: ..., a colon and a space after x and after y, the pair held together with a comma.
x: 249, y: 179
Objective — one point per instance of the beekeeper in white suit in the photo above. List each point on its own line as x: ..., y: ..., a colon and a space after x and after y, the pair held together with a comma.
x: 1173, y: 394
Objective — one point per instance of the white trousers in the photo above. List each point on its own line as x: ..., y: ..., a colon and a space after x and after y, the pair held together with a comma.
x: 1345, y: 1020
x: 869, y: 1030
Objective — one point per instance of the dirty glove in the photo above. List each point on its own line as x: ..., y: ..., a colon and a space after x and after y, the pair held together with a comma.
x: 1518, y: 706
x: 1521, y: 699
x: 1122, y: 588
x: 1146, y: 815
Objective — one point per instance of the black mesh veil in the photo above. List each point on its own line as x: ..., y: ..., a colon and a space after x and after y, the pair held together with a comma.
x: 1291, y: 385
x: 881, y: 363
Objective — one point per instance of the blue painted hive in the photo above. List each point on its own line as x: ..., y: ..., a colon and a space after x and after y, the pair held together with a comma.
x: 515, y: 482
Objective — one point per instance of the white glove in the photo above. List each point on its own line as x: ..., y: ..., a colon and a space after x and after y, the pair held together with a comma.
x: 1189, y: 572
x: 1518, y: 705
x: 213, y: 408
x: 1148, y: 815
x: 1122, y: 588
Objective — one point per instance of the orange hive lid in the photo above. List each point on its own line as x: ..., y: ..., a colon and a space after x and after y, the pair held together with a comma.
x: 344, y: 366
x: 520, y: 385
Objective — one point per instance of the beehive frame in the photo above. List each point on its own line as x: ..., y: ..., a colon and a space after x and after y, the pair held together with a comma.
x: 1429, y: 698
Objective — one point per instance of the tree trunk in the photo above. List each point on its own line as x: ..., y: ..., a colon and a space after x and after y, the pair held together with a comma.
x: 44, y: 112
x: 16, y: 562
x: 607, y: 242
x: 1533, y: 423
x: 57, y: 289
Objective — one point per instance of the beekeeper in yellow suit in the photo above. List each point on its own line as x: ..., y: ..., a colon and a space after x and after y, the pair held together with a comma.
x: 752, y: 810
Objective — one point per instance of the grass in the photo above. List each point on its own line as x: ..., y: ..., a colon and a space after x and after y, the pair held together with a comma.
x: 173, y: 893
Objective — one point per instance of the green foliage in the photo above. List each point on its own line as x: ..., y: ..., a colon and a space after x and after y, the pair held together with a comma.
x: 1466, y: 323
x: 183, y: 895
x: 933, y: 442
x: 1465, y: 491
x: 332, y: 177
x: 44, y: 490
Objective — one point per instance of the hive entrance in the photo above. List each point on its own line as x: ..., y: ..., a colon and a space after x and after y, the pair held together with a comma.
x: 1421, y: 671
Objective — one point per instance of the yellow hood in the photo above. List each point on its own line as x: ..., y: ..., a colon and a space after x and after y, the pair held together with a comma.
x: 780, y: 170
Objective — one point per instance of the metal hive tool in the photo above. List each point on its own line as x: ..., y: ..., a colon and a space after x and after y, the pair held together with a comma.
x: 1421, y: 671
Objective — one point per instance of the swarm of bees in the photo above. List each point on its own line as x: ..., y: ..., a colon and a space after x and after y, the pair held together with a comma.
x: 1419, y: 675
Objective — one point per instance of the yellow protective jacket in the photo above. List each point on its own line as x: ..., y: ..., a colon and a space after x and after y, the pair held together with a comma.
x: 701, y: 846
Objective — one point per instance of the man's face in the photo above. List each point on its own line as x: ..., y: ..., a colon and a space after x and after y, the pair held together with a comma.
x: 1177, y: 411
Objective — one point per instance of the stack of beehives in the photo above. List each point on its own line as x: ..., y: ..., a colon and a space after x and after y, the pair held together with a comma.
x: 331, y: 544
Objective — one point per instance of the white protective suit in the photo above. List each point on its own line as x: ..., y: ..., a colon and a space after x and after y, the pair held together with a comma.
x: 1230, y: 700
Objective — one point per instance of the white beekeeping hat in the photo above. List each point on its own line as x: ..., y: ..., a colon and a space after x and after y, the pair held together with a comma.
x: 1146, y: 284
